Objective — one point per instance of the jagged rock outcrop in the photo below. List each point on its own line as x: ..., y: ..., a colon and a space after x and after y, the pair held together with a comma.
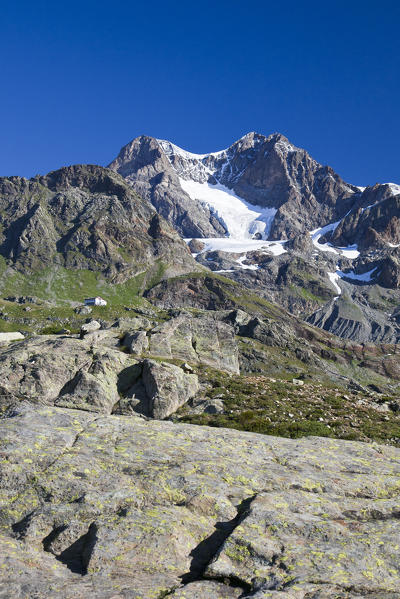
x: 167, y: 388
x: 374, y: 223
x: 86, y: 217
x: 136, y: 342
x: 147, y: 168
x: 107, y: 507
x: 89, y: 327
x: 389, y: 271
x: 64, y: 371
x: 350, y: 318
x: 202, y: 338
x: 264, y: 171
x: 88, y: 375
x: 192, y: 292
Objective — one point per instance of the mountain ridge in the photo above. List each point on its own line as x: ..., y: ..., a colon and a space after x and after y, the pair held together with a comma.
x: 262, y: 205
x: 85, y: 217
x: 279, y: 179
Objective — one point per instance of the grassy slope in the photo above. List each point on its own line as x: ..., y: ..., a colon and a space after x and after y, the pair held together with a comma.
x: 278, y: 407
x: 251, y: 402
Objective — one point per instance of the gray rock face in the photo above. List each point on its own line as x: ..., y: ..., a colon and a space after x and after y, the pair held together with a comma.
x: 75, y: 374
x: 147, y: 168
x: 85, y: 217
x: 63, y: 371
x: 265, y: 171
x: 192, y: 292
x: 6, y: 337
x: 167, y: 387
x: 90, y: 327
x: 136, y: 323
x: 350, y: 318
x: 374, y: 222
x: 389, y: 275
x: 136, y: 342
x: 203, y: 339
x: 109, y: 506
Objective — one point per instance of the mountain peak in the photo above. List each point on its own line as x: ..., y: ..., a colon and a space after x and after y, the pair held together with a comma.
x: 268, y: 173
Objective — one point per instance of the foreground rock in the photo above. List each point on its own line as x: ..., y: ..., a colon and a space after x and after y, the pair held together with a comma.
x: 160, y: 389
x: 202, y: 338
x: 114, y: 507
x: 14, y: 336
x: 76, y: 374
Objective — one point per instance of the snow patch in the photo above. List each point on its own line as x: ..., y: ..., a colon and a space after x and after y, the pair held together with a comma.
x: 241, y: 219
x: 350, y: 252
x: 394, y: 187
x: 365, y: 277
x: 285, y: 147
x: 240, y: 246
x: 318, y: 233
x: 171, y: 149
x: 246, y: 266
x: 334, y: 278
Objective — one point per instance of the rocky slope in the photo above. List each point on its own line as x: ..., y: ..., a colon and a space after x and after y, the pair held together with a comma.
x: 178, y: 357
x: 86, y: 218
x: 268, y: 172
x: 331, y: 238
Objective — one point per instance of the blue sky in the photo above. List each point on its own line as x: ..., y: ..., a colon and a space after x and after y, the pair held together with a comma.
x: 81, y: 79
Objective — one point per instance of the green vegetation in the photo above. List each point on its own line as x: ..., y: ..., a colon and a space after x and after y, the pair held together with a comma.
x: 306, y: 294
x: 278, y: 407
x: 159, y: 270
x: 63, y: 285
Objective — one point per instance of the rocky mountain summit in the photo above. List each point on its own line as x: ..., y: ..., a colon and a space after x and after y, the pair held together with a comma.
x: 267, y: 215
x: 267, y: 172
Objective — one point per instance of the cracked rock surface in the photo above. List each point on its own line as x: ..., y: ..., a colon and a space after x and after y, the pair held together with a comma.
x: 117, y: 507
x: 76, y: 374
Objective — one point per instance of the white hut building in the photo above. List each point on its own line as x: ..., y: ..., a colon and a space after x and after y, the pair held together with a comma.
x: 95, y: 301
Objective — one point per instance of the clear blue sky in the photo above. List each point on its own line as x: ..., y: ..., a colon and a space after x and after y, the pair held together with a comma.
x: 81, y: 79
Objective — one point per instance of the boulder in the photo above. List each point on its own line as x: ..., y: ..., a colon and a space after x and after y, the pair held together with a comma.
x: 213, y: 406
x: 63, y: 370
x: 201, y: 339
x: 89, y: 327
x: 136, y: 342
x: 83, y: 310
x: 13, y: 336
x: 167, y: 387
x: 132, y: 324
x: 94, y: 389
x: 196, y: 246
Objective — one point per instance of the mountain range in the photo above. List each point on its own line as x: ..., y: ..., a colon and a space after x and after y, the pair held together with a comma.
x: 266, y: 214
x: 151, y: 446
